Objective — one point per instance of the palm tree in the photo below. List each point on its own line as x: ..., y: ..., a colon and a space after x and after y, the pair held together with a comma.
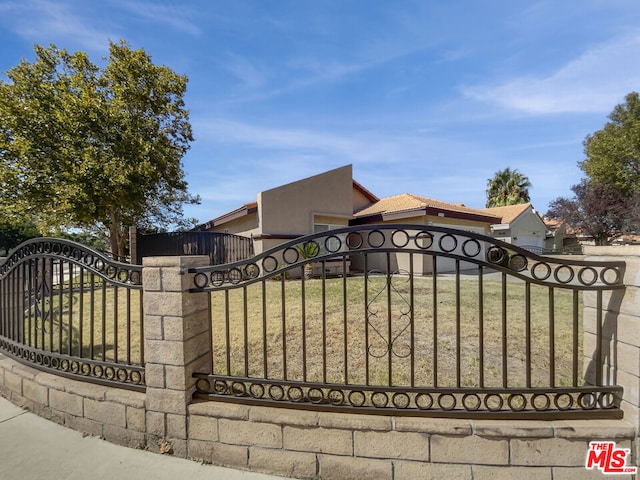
x: 507, y: 187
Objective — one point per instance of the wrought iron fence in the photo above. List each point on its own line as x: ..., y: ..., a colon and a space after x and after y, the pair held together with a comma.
x: 409, y: 320
x: 74, y: 311
x: 220, y: 247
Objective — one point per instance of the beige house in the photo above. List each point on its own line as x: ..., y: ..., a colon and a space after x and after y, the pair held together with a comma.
x: 520, y: 225
x: 310, y: 205
x: 332, y: 200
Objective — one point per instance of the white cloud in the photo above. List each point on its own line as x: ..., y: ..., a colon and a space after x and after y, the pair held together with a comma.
x: 176, y: 17
x: 48, y: 22
x: 594, y: 82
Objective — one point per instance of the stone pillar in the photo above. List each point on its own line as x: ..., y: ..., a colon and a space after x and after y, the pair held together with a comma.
x: 620, y: 345
x: 177, y: 343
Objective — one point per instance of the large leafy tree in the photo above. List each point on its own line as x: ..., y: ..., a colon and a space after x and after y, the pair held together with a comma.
x: 83, y: 146
x: 613, y: 153
x: 599, y: 210
x: 507, y: 187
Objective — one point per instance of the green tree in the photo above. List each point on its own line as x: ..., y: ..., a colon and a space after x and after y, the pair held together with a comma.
x: 613, y: 153
x: 89, y: 147
x: 507, y: 187
x: 13, y: 234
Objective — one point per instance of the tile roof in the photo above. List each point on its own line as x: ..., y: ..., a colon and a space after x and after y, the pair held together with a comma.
x: 408, y: 202
x: 508, y: 213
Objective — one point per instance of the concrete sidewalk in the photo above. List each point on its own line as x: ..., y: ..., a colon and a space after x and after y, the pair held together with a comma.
x: 32, y: 448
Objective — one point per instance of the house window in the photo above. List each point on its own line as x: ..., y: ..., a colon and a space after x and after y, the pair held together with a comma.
x: 333, y: 244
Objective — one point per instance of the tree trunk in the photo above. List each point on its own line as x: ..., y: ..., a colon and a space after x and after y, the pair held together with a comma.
x: 116, y: 234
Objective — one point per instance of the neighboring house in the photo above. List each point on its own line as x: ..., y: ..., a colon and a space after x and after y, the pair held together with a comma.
x: 333, y: 199
x: 520, y: 225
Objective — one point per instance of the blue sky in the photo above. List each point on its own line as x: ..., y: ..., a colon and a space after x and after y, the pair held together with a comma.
x: 426, y: 97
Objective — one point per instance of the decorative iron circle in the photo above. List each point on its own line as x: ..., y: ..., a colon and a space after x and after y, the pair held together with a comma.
x: 563, y: 401
x: 276, y: 392
x: 269, y: 264
x: 220, y: 386
x: 64, y: 365
x: 200, y: 280
x: 251, y: 271
x: 493, y: 405
x: 587, y: 401
x: 295, y: 394
x: 239, y: 389
x: 517, y: 402
x: 111, y: 272
x: 592, y: 271
x: 85, y: 369
x: 379, y: 399
x: 136, y: 377
x: 256, y: 390
x: 88, y: 259
x: 110, y: 373
x: 496, y: 254
x: 98, y: 371
x: 122, y: 375
x: 424, y: 401
x: 545, y: 275
x: 315, y: 395
x: 605, y: 280
x: 473, y: 406
x: 56, y: 248
x: 375, y: 243
x: 518, y: 262
x: 75, y: 367
x: 135, y: 277
x: 290, y: 255
x: 451, y: 247
x: 400, y: 400
x: 423, y: 240
x: 558, y: 271
x: 354, y: 240
x: 540, y: 407
x: 336, y: 397
x: 401, y: 244
x: 98, y: 265
x: 607, y: 400
x: 330, y: 241
x: 234, y: 275
x: 476, y: 245
x: 55, y: 363
x: 217, y: 279
x: 447, y: 401
x: 357, y: 398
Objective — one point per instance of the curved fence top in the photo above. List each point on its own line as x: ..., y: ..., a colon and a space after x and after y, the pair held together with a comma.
x: 110, y: 270
x: 473, y: 248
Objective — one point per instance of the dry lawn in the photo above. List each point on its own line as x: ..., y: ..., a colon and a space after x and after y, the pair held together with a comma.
x: 307, y: 336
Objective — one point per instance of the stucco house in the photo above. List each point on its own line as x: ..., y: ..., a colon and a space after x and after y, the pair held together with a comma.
x: 520, y: 225
x: 333, y: 199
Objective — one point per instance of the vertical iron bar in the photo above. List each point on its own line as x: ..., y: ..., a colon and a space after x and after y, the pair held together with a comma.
x: 285, y: 376
x: 527, y: 321
x: 245, y: 323
x: 31, y: 297
x: 366, y: 316
x: 92, y: 315
x: 227, y: 334
x: 389, y: 321
x: 214, y: 363
x: 435, y: 321
x: 51, y: 299
x: 324, y: 321
x: 481, y: 324
x: 303, y: 299
x: 265, y: 357
x: 458, y: 327
x: 345, y: 319
x: 552, y: 339
x: 70, y: 326
x: 104, y: 320
x: 128, y: 326
x: 81, y: 313
x: 116, y: 294
x: 61, y: 267
x: 412, y: 320
x: 141, y: 320
x: 575, y: 338
x: 505, y: 380
x: 599, y: 362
